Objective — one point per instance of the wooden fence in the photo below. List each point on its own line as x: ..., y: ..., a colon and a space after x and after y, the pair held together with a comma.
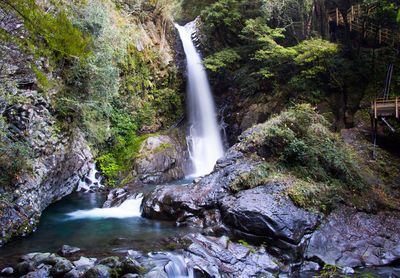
x: 356, y: 18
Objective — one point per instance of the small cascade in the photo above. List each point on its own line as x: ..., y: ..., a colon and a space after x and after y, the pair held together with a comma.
x: 90, y: 182
x: 173, y: 265
x: 129, y: 208
x: 204, y: 139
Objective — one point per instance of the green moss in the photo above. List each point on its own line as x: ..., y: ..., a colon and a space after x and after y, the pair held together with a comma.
x: 299, y: 150
x: 245, y: 244
x: 171, y: 246
x: 329, y: 271
x: 257, y: 176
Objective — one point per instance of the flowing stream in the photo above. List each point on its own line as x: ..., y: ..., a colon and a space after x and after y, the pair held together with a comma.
x: 204, y: 138
x: 79, y: 220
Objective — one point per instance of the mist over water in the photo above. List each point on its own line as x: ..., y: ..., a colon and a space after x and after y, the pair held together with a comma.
x: 204, y: 139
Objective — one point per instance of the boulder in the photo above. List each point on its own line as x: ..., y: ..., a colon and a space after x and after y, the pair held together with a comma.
x: 262, y: 214
x: 8, y: 271
x: 77, y: 272
x: 161, y: 159
x: 350, y: 238
x: 220, y: 257
x: 186, y: 204
x: 61, y: 267
x: 130, y: 265
x: 67, y: 250
x: 266, y: 214
x: 41, y: 271
x: 83, y: 261
x: 130, y: 275
x: 24, y: 267
x: 98, y: 271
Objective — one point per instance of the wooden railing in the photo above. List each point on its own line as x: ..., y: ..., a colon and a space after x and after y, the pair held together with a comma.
x: 386, y: 107
x: 356, y: 16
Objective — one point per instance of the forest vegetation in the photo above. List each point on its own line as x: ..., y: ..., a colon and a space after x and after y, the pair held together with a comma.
x: 114, y: 86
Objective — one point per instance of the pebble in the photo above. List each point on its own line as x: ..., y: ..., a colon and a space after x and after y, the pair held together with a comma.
x: 347, y: 270
x: 67, y: 250
x: 7, y: 271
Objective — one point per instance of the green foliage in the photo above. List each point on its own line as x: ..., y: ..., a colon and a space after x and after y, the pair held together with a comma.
x: 188, y: 10
x: 224, y: 20
x: 221, y: 60
x: 301, y: 140
x: 329, y: 271
x: 50, y: 34
x: 253, y: 52
x: 224, y: 14
x: 384, y: 13
x: 299, y: 149
x: 119, y: 89
x: 14, y: 159
x: 119, y: 158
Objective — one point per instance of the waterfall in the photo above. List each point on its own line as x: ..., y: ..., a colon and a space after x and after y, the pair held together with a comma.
x: 204, y: 138
x: 91, y: 181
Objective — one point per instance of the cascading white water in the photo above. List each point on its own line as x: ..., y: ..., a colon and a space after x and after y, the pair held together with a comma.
x: 91, y: 180
x: 129, y: 208
x: 204, y: 138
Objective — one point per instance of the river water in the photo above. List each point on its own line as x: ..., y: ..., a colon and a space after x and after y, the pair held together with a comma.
x: 98, y: 235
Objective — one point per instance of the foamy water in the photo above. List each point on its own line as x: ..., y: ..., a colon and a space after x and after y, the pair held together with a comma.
x: 129, y: 208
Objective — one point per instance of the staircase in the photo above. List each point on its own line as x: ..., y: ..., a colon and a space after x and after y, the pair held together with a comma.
x: 356, y: 19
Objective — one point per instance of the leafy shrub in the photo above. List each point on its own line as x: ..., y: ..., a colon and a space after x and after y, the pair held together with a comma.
x: 14, y: 159
x: 302, y: 142
x: 299, y: 148
x: 119, y: 158
x: 221, y: 59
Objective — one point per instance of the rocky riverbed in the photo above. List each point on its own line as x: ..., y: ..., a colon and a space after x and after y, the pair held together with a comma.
x: 196, y: 255
x: 265, y: 215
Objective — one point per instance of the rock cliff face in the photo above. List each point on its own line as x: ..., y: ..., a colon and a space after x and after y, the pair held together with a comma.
x: 59, y: 160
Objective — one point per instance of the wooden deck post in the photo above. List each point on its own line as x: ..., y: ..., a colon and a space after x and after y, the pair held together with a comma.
x: 337, y: 16
x: 397, y: 107
x: 375, y: 110
x: 352, y: 12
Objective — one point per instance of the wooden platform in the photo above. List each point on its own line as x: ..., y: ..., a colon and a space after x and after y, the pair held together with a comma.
x: 386, y: 108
